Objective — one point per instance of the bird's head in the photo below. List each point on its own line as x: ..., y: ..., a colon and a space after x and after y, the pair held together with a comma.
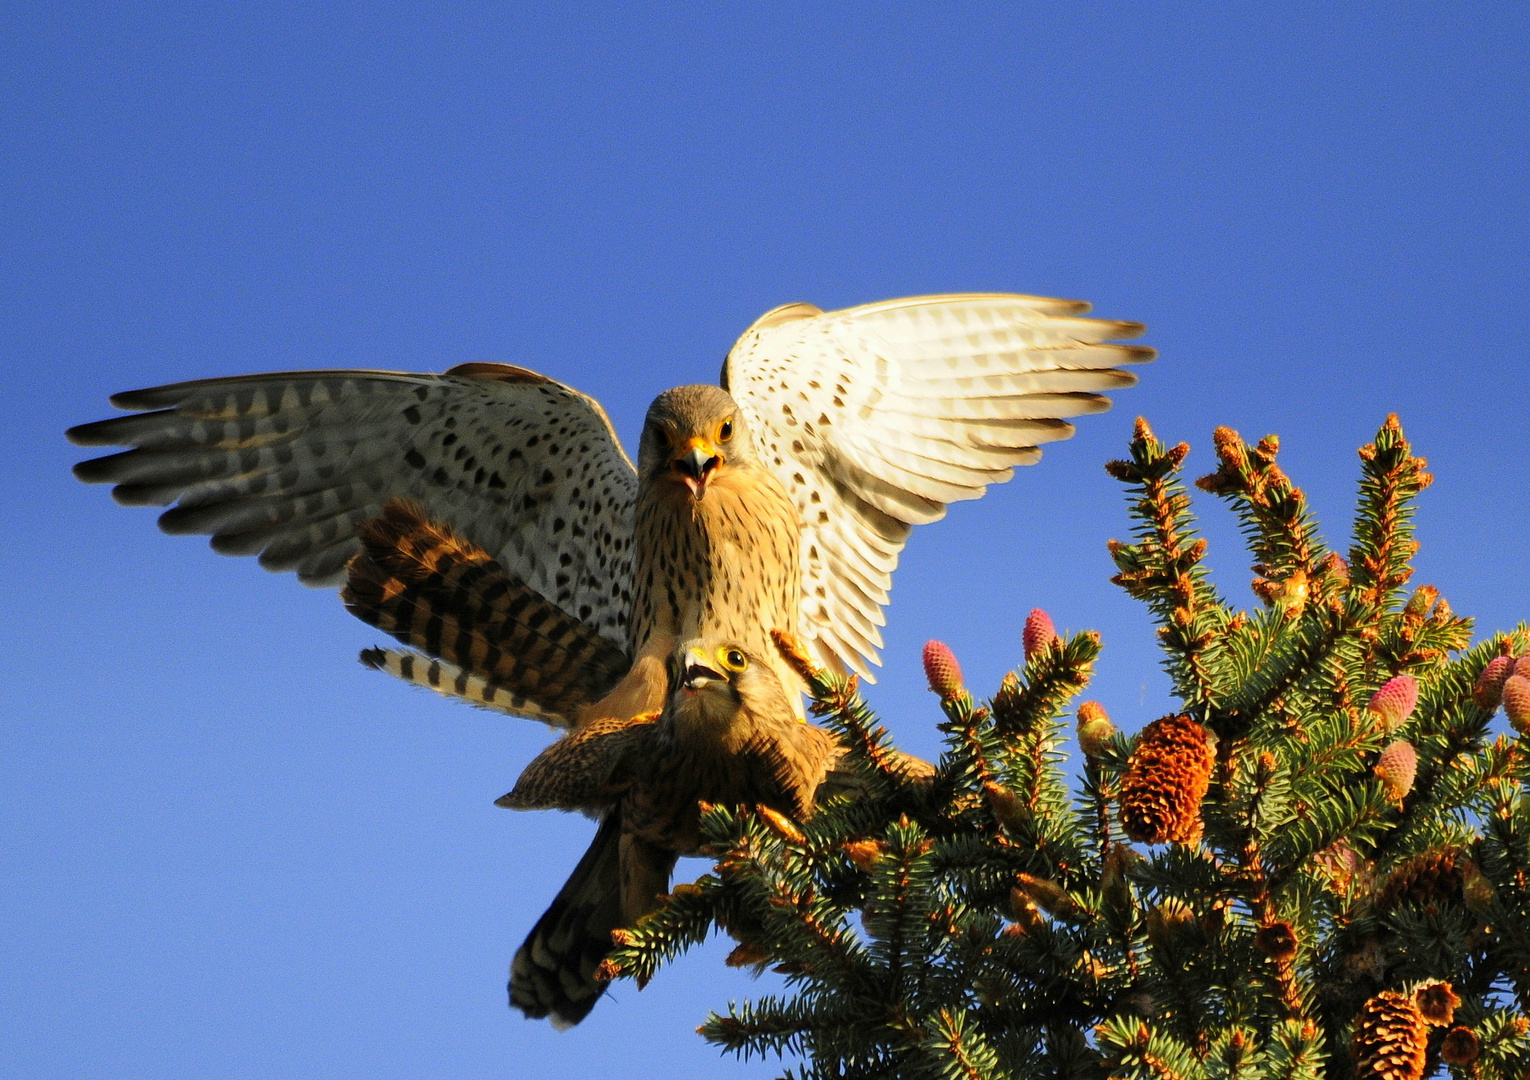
x: 714, y: 683
x: 690, y: 435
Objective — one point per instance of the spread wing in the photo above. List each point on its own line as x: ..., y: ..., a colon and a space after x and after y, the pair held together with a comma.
x: 287, y: 466
x: 876, y: 417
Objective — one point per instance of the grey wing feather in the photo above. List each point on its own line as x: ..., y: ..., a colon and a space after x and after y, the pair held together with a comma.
x: 287, y: 465
x: 876, y: 417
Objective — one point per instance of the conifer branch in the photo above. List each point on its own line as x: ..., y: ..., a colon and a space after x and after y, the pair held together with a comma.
x: 1331, y: 823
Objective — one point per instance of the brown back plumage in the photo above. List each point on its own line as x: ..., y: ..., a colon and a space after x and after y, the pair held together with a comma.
x: 429, y: 588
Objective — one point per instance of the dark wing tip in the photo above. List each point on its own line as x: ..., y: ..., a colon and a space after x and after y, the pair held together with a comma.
x: 98, y: 433
x: 373, y: 658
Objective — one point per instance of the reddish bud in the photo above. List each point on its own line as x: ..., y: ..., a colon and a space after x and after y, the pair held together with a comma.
x: 1522, y: 665
x: 1395, y: 701
x: 1396, y: 768
x: 941, y: 668
x: 1039, y: 634
x: 1489, y: 689
x: 1516, y: 702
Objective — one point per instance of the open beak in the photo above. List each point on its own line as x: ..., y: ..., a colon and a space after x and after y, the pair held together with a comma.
x: 696, y: 465
x: 696, y: 674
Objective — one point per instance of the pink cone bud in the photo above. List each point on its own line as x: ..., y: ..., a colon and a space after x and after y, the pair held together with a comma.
x: 1039, y: 634
x: 941, y: 668
x: 1489, y: 689
x: 1094, y: 728
x: 1522, y: 666
x: 1516, y: 702
x: 1396, y: 768
x: 1395, y: 701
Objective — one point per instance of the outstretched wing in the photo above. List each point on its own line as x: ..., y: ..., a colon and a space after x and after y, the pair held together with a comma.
x: 287, y: 466
x: 876, y: 417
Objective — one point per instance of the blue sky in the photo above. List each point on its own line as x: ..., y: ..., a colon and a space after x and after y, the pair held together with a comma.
x: 227, y: 849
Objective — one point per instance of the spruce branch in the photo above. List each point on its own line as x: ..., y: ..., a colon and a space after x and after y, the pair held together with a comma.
x: 1163, y: 566
x: 1328, y: 822
x: 1384, y: 546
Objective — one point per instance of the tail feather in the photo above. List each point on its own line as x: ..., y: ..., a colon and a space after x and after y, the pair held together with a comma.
x: 451, y: 681
x: 427, y: 587
x: 553, y: 974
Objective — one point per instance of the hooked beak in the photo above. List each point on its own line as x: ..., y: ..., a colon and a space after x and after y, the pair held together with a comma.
x: 696, y: 466
x: 696, y: 674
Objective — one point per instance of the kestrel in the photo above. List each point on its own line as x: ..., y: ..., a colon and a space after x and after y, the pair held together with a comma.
x: 728, y: 734
x: 779, y: 502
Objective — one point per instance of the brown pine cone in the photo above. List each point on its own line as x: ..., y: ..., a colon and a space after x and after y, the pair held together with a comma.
x: 1390, y: 1037
x: 1436, y: 1003
x: 1430, y: 878
x: 1166, y: 779
x: 1461, y: 1046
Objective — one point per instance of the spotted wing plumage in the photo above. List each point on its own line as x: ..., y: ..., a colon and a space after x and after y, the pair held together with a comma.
x: 876, y: 417
x: 287, y: 466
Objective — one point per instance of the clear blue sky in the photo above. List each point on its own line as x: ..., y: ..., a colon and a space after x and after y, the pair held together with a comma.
x: 230, y: 851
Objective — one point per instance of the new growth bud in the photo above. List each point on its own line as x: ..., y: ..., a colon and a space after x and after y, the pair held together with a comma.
x: 1039, y: 634
x: 941, y: 668
x: 1396, y: 769
x: 1395, y: 701
x: 1489, y: 689
x: 1094, y: 729
x: 1516, y: 701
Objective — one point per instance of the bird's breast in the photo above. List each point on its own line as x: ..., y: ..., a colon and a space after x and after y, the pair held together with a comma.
x: 727, y: 563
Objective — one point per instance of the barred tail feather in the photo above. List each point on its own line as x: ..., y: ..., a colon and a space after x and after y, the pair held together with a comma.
x: 430, y: 589
x: 554, y: 974
x: 451, y: 681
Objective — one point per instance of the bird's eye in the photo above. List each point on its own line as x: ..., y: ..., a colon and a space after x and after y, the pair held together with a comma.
x: 725, y: 431
x: 733, y: 659
x: 657, y: 433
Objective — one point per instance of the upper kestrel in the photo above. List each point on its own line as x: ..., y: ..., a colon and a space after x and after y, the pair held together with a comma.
x: 779, y: 502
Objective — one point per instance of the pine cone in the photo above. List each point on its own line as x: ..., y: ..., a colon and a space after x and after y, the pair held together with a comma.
x: 1166, y: 779
x: 1436, y: 1003
x: 1516, y: 701
x: 1430, y: 878
x: 1461, y: 1046
x: 1277, y: 941
x: 1396, y: 769
x: 941, y: 668
x: 1395, y: 701
x: 1390, y: 1038
x: 1039, y: 634
x: 1489, y: 689
x: 1094, y: 728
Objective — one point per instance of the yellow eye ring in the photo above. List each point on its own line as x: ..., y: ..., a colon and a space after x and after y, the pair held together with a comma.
x: 725, y: 430
x: 732, y: 659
